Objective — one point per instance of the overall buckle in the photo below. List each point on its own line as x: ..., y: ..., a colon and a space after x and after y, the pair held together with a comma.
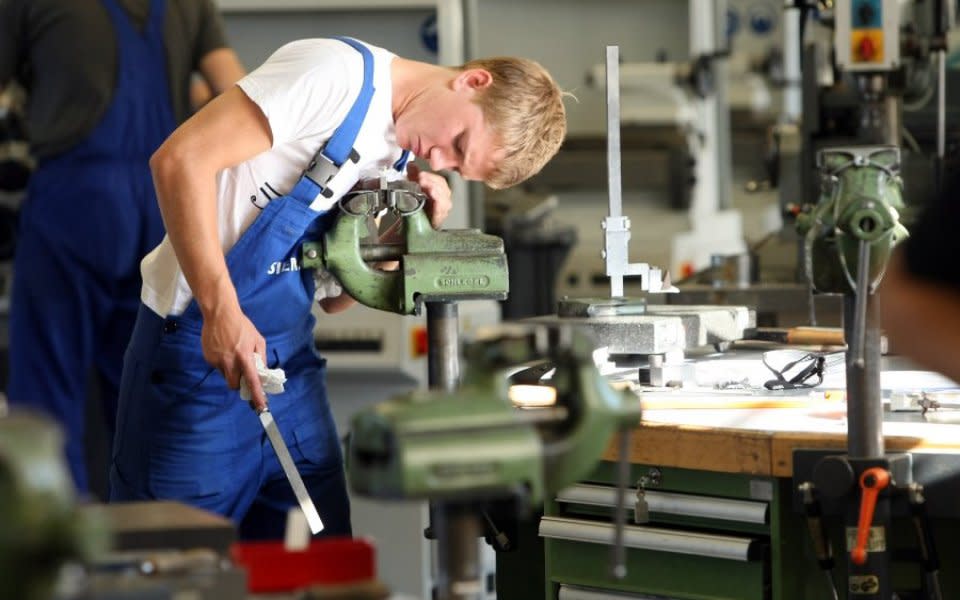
x: 321, y: 170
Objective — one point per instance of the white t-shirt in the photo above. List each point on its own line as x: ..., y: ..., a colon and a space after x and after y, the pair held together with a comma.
x: 305, y: 90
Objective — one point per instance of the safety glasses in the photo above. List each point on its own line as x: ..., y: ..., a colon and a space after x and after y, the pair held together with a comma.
x: 794, y: 369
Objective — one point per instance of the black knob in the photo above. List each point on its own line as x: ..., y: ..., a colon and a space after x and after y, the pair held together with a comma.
x: 866, y: 13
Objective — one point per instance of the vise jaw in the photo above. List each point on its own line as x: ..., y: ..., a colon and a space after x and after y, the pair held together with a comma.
x: 435, y: 266
x: 860, y: 202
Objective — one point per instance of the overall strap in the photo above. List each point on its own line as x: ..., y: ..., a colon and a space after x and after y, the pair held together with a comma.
x: 340, y: 145
x: 339, y: 148
x: 401, y: 163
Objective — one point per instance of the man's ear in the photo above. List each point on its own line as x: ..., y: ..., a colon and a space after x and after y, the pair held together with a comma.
x: 473, y: 79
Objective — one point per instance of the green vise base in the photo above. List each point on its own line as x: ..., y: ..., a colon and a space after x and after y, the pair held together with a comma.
x: 447, y: 265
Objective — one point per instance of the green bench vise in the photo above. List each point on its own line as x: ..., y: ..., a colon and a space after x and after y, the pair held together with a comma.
x: 475, y: 443
x: 435, y: 266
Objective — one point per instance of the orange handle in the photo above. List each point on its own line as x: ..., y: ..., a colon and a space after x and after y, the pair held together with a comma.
x: 872, y: 481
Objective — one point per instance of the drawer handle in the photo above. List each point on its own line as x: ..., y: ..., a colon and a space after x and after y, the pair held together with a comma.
x: 653, y: 538
x: 576, y: 593
x: 685, y: 505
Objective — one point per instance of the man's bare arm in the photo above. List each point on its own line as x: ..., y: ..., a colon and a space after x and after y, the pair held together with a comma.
x: 226, y: 132
x: 221, y: 68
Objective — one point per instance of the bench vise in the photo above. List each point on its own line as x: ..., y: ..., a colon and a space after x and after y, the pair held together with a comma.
x: 475, y: 443
x: 435, y: 266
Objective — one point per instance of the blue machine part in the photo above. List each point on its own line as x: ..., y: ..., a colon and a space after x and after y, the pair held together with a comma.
x: 763, y: 18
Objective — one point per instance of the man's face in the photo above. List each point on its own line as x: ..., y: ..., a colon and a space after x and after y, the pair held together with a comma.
x: 448, y: 129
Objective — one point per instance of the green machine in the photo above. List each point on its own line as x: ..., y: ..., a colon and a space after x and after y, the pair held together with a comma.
x: 476, y: 442
x: 40, y: 526
x: 860, y: 203
x: 474, y: 451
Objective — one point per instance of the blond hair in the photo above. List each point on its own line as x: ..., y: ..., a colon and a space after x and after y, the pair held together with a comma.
x: 524, y: 107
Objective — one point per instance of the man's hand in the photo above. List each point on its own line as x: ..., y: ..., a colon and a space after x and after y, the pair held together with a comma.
x: 229, y: 342
x: 437, y: 189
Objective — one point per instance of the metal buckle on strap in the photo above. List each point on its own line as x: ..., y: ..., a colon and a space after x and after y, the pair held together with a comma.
x: 322, y: 170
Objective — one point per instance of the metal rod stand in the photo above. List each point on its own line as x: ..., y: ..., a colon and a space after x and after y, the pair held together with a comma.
x: 457, y: 527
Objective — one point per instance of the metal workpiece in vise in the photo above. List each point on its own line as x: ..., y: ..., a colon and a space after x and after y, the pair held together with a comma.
x: 435, y: 265
x: 475, y: 446
x: 40, y: 527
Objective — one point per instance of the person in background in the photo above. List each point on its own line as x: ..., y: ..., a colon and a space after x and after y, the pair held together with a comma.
x: 241, y: 185
x: 920, y: 293
x: 107, y: 82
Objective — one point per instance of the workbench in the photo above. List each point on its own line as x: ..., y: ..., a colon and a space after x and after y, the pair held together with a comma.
x: 722, y: 518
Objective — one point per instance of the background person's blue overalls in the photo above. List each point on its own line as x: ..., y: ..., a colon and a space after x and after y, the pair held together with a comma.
x: 182, y: 434
x: 89, y: 217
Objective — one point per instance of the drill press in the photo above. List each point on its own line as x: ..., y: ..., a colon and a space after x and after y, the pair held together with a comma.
x: 465, y: 448
x: 848, y: 238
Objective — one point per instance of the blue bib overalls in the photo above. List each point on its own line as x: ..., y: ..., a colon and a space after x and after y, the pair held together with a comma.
x: 183, y: 435
x: 89, y: 217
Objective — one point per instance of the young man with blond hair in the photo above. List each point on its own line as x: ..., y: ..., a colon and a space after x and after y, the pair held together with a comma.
x: 239, y: 185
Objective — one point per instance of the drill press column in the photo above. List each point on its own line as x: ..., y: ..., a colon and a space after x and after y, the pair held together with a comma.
x: 864, y: 409
x: 456, y: 526
x: 443, y: 336
x: 437, y: 269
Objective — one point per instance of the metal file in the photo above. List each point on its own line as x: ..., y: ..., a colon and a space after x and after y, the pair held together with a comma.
x: 290, y: 469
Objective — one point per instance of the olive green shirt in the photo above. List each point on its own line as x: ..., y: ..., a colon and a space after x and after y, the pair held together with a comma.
x: 64, y: 53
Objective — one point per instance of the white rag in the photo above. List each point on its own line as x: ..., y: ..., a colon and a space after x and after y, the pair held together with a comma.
x: 327, y: 285
x: 271, y: 380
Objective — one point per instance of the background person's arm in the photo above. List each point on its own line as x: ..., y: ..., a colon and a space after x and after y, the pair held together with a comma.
x: 221, y: 68
x: 226, y: 132
x: 219, y: 71
x: 922, y: 318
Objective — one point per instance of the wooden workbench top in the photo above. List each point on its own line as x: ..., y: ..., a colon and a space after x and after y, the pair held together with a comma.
x: 761, y: 441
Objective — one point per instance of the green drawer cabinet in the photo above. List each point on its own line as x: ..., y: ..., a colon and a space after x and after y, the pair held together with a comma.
x: 708, y: 536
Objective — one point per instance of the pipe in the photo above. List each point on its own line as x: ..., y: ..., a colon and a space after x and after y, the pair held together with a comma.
x: 792, y: 45
x: 457, y: 527
x: 651, y: 538
x: 864, y: 405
